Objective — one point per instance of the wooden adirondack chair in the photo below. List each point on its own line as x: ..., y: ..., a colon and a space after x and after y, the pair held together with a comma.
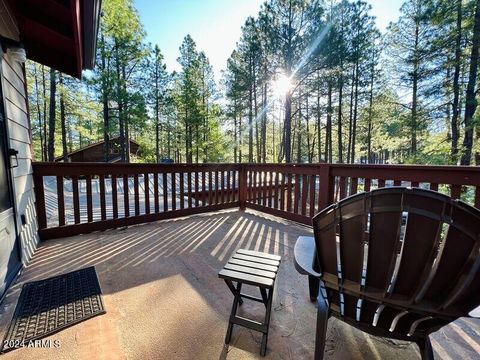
x: 394, y: 262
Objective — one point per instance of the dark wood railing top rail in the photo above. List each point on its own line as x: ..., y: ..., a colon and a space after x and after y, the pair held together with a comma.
x: 452, y: 175
x: 78, y: 169
x: 114, y: 195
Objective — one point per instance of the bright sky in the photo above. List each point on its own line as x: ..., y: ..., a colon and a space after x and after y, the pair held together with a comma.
x: 215, y: 25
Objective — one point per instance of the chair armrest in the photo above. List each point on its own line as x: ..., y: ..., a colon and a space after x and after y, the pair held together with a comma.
x: 475, y: 313
x: 304, y: 256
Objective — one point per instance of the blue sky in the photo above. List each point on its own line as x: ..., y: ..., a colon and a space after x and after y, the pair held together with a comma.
x: 215, y: 25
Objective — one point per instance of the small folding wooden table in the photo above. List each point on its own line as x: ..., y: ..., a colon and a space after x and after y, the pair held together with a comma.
x: 256, y: 269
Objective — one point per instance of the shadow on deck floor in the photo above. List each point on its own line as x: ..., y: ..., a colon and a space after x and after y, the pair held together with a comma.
x: 164, y: 300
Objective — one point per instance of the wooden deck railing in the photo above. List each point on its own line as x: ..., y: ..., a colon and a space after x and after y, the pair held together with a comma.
x: 297, y: 192
x: 74, y: 198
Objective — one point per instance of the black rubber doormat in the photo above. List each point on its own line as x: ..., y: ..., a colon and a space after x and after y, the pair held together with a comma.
x: 48, y: 306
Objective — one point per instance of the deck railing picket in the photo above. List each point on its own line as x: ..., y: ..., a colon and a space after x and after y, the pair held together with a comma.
x: 276, y: 191
x: 353, y: 186
x: 61, y: 201
x: 253, y: 187
x: 173, y: 177
x: 296, y: 198
x: 304, y: 195
x: 204, y: 188
x: 229, y: 187
x: 76, y: 199
x: 368, y: 184
x: 455, y: 191
x: 189, y: 189
x: 126, y: 200
x: 88, y: 180
x: 136, y: 194
x: 155, y: 193
x: 165, y: 192
x: 477, y: 197
x: 289, y: 192
x: 282, y: 192
x: 270, y: 189
x: 182, y: 191
x: 196, y: 188
x: 114, y: 197
x: 343, y: 187
x: 103, y: 206
x: 311, y: 195
x: 146, y: 180
x: 264, y: 188
x: 210, y: 188
x: 217, y: 187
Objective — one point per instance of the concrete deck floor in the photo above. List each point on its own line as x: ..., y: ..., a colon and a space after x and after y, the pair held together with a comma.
x: 164, y: 300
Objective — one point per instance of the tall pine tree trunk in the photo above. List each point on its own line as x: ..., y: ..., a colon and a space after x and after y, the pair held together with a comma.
x: 355, y: 114
x: 370, y: 113
x: 250, y: 116
x: 255, y: 109
x: 106, y: 114
x: 235, y: 132
x: 264, y: 124
x: 157, y: 114
x: 288, y: 127
x: 319, y: 123
x: 350, y: 118
x: 51, y: 117
x: 240, y: 136
x: 307, y: 125
x: 157, y: 131
x: 328, y: 133
x: 39, y: 112
x: 126, y: 115
x: 63, y: 121
x: 415, y: 75
x: 299, y: 129
x: 121, y: 123
x: 106, y: 127
x: 470, y: 101
x: 339, y: 124
x: 44, y: 88
x: 456, y: 84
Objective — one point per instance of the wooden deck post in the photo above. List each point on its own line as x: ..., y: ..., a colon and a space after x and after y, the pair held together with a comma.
x: 40, y: 201
x: 326, y: 187
x: 242, y: 188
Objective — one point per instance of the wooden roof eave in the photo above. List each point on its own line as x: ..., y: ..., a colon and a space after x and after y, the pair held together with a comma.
x: 52, y: 32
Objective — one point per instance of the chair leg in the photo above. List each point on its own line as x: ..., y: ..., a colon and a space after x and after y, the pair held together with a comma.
x: 322, y: 322
x: 233, y: 313
x: 263, y: 348
x: 313, y: 287
x: 264, y: 296
x: 426, y: 350
x: 232, y: 289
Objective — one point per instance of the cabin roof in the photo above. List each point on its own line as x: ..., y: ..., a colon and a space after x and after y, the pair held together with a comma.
x: 101, y: 142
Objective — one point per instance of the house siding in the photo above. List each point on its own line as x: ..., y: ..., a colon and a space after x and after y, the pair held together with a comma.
x: 18, y: 124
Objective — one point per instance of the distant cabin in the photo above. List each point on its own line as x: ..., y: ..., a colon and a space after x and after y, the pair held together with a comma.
x: 94, y: 152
